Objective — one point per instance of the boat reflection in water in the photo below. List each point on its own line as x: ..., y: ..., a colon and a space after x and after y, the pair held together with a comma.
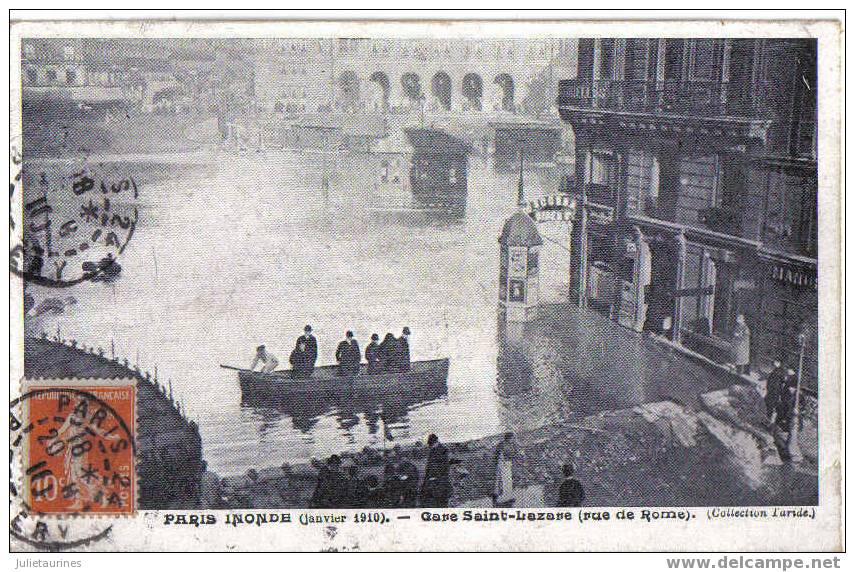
x: 376, y: 411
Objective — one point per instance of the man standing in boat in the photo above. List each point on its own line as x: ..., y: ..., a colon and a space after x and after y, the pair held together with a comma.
x: 301, y: 362
x: 372, y: 355
x: 268, y: 361
x: 348, y: 356
x: 311, y: 346
x: 402, y: 359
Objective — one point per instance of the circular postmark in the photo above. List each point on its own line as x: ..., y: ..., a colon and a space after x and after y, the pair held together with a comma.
x: 72, y: 458
x: 73, y: 224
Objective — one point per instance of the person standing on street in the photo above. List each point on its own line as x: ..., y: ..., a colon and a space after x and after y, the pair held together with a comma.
x: 787, y: 401
x: 741, y: 346
x: 503, y: 487
x: 570, y: 492
x: 775, y: 383
x: 436, y: 487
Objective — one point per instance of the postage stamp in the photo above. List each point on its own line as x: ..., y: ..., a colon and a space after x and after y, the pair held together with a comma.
x: 77, y: 446
x: 461, y: 285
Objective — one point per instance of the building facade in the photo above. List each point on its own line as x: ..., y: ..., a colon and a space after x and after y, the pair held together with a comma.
x: 696, y: 177
x: 321, y: 75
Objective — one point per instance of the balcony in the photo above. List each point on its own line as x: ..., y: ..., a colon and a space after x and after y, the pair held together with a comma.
x: 695, y: 98
x: 692, y: 108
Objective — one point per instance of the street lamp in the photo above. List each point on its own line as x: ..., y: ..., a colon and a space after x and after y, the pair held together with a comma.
x: 793, y: 448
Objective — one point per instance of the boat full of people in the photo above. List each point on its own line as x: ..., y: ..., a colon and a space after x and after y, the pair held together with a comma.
x: 387, y: 370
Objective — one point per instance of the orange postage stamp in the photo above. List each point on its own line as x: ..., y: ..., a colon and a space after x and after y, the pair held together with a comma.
x: 78, y: 441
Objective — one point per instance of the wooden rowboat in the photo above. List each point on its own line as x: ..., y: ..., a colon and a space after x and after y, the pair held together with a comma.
x: 422, y: 377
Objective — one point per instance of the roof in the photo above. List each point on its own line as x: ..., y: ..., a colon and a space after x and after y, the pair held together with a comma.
x: 394, y: 142
x: 520, y: 230
x: 436, y: 141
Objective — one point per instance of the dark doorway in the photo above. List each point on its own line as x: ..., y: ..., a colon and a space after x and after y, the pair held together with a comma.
x: 473, y: 89
x: 441, y: 89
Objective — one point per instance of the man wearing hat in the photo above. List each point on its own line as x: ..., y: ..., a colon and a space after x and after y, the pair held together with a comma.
x: 403, y: 357
x: 348, y: 356
x: 570, y: 492
x: 372, y: 355
x: 311, y: 346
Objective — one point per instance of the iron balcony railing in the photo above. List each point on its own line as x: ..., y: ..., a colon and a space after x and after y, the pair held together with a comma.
x: 679, y: 97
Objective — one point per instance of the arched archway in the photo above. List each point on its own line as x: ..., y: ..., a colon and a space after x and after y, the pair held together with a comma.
x: 412, y: 84
x: 441, y: 89
x: 506, y: 84
x: 473, y: 90
x: 383, y: 87
x: 348, y: 89
x: 166, y: 98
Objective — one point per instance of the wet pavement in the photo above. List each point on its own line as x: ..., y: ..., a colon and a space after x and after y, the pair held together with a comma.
x: 573, y: 362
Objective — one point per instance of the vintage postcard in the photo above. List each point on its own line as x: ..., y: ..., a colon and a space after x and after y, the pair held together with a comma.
x: 425, y: 286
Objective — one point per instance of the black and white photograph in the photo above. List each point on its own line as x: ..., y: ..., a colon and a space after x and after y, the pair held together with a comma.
x: 494, y: 276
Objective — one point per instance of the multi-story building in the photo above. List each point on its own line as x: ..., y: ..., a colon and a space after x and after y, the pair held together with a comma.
x: 696, y: 173
x: 405, y: 74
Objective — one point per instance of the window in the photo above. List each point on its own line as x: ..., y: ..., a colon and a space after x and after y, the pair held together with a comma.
x: 68, y: 52
x: 674, y: 60
x: 603, y: 168
x: 29, y: 51
x: 607, y: 58
x: 703, y: 60
x: 32, y: 76
x: 51, y: 76
x: 71, y: 77
x: 636, y: 59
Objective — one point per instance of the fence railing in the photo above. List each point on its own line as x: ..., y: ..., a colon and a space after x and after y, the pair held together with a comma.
x: 689, y: 97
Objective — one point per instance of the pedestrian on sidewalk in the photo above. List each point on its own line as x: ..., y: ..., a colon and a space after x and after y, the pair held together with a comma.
x: 741, y: 346
x: 503, y: 488
x: 775, y: 383
x: 570, y: 491
x: 787, y: 401
x: 436, y: 487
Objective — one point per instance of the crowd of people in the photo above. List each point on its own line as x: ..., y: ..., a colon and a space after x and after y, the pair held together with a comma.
x: 402, y: 486
x: 390, y: 355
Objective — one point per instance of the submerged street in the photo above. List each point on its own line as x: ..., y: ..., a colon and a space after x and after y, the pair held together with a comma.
x: 188, y: 306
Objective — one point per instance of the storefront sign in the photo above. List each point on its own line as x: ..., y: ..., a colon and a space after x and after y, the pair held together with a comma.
x: 794, y: 276
x: 600, y: 214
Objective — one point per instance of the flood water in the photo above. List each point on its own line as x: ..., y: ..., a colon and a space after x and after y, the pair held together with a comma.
x: 245, y: 251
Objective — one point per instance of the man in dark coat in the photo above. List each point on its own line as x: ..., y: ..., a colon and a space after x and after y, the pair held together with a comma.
x: 402, y: 359
x: 570, y: 491
x: 311, y: 344
x: 301, y: 362
x: 348, y: 356
x: 388, y: 352
x: 436, y: 488
x: 372, y: 355
x: 357, y: 489
x: 331, y: 489
x: 774, y: 387
x: 787, y: 401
